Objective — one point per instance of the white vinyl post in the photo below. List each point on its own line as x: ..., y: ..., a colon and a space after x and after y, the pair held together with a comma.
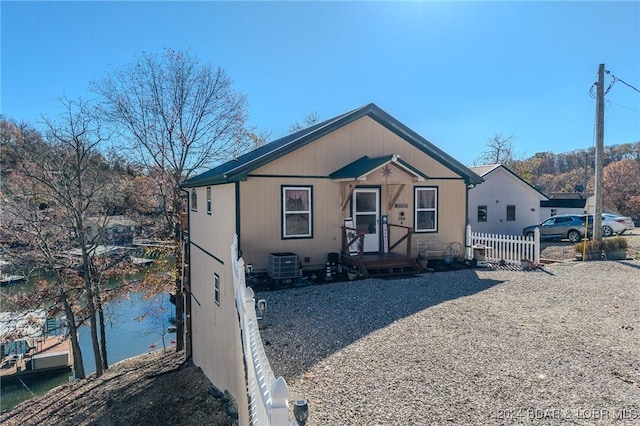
x: 536, y: 236
x: 279, y: 413
x: 468, y: 243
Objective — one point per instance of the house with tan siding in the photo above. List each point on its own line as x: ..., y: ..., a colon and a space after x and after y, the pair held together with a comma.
x: 361, y: 184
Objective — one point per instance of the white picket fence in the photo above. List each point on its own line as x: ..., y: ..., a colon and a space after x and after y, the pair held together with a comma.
x: 511, y: 249
x: 268, y: 395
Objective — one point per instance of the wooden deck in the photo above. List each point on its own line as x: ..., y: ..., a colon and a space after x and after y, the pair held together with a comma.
x: 378, y: 264
x: 382, y: 264
x: 14, y: 367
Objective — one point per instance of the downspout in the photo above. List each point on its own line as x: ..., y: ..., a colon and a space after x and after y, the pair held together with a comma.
x: 467, y: 240
x: 186, y: 295
x: 238, y: 221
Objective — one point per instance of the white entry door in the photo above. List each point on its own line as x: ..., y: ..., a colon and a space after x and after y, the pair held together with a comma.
x: 366, y: 216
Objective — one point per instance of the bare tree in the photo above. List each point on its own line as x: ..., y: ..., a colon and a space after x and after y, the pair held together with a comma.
x: 175, y: 116
x: 307, y: 121
x: 499, y: 151
x: 259, y: 137
x: 56, y: 200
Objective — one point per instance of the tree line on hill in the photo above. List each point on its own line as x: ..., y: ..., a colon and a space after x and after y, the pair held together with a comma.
x: 574, y: 171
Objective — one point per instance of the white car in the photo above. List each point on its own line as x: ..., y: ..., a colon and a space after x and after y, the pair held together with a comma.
x: 614, y: 224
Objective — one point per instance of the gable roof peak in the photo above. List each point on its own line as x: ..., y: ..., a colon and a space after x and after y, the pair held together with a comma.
x: 239, y: 169
x: 485, y: 169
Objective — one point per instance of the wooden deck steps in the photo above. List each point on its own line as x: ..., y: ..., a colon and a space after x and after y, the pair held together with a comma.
x: 382, y: 264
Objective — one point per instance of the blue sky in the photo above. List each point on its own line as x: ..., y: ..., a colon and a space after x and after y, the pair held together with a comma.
x: 455, y: 72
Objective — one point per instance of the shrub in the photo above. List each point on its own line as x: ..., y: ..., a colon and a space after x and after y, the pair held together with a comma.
x: 591, y: 245
x: 616, y: 243
x: 609, y: 244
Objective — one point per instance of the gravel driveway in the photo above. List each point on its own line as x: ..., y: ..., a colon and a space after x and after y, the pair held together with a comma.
x: 475, y: 346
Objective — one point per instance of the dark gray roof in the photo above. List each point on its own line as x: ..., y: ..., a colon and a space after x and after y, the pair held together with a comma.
x: 576, y: 200
x: 576, y: 203
x: 239, y: 168
x: 365, y: 165
x: 569, y: 195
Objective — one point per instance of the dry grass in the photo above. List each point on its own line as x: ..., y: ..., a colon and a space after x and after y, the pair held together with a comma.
x: 151, y: 389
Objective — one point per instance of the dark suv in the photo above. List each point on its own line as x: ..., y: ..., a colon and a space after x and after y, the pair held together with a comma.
x: 561, y: 226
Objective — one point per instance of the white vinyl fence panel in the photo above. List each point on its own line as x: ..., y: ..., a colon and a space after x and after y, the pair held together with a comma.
x: 511, y: 249
x: 268, y: 395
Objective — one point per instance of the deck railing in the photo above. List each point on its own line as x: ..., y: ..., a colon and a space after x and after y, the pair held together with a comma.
x: 268, y: 396
x: 512, y: 249
x: 407, y: 232
x: 356, y: 239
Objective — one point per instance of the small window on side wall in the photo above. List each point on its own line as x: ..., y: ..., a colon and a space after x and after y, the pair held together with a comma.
x: 482, y: 213
x: 194, y: 200
x: 554, y: 212
x: 511, y: 213
x: 216, y: 289
x: 208, y: 200
x: 297, y: 212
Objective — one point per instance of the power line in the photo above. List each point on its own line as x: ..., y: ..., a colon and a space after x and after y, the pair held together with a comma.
x: 622, y: 106
x: 621, y: 81
x: 610, y: 86
x: 594, y: 87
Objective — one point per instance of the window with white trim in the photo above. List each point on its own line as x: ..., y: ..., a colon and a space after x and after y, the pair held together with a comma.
x: 208, y: 200
x: 426, y: 209
x: 296, y: 211
x: 194, y: 200
x: 216, y: 289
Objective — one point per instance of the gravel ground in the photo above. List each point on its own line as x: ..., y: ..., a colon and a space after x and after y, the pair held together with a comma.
x: 474, y: 346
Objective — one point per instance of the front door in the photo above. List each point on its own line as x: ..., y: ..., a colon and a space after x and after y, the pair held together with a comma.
x: 366, y: 216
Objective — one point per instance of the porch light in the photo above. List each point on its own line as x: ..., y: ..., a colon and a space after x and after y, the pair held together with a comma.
x: 301, y: 411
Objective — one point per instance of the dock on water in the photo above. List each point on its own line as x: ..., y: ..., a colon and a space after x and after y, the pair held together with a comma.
x: 31, y: 343
x: 48, y: 354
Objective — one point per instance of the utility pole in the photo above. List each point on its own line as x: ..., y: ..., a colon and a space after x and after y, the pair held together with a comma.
x: 586, y: 172
x: 597, y: 215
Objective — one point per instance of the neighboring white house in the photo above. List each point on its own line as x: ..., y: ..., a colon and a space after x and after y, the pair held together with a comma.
x: 504, y: 203
x: 567, y: 203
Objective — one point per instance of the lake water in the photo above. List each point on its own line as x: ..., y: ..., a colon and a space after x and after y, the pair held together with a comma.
x: 126, y: 337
